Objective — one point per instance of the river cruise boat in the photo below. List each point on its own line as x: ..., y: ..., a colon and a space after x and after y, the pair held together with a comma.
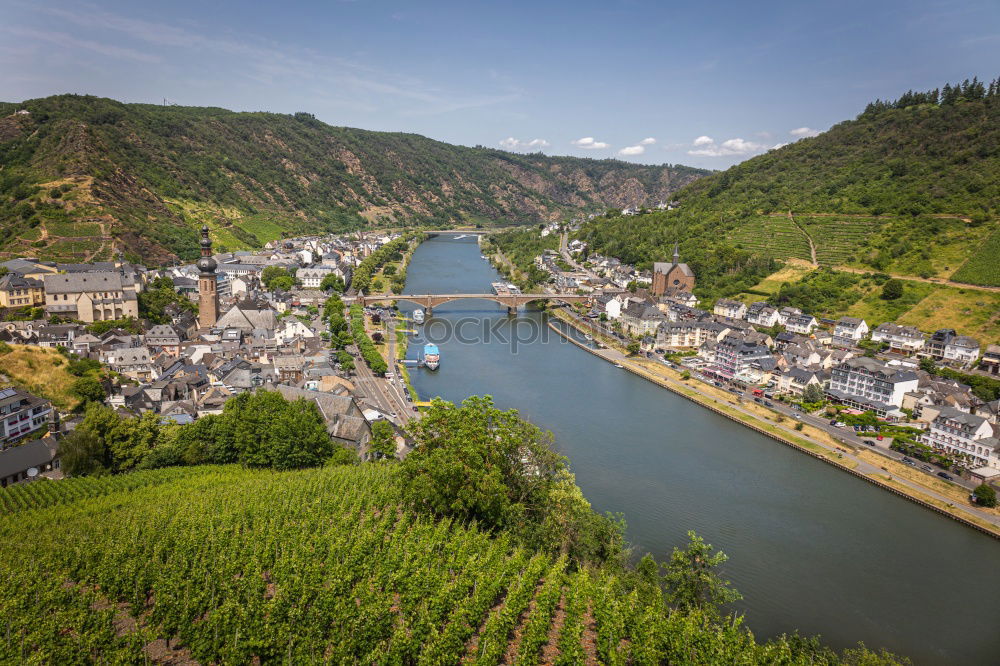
x: 418, y: 316
x: 432, y: 357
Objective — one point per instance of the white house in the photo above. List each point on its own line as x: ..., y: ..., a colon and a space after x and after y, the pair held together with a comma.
x: 867, y: 384
x: 291, y: 328
x: 848, y: 331
x: 732, y: 309
x: 312, y: 278
x: 962, y: 349
x: 802, y: 324
x: 902, y: 339
x: 966, y: 434
x: 762, y: 314
x: 786, y: 312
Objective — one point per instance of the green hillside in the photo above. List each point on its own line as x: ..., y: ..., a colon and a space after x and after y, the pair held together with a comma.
x: 910, y: 187
x: 84, y: 176
x: 229, y: 565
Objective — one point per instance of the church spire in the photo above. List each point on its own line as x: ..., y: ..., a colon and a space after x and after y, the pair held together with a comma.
x: 677, y: 254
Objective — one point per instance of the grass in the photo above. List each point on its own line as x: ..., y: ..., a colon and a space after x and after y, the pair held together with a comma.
x: 933, y: 501
x: 41, y: 371
x: 876, y: 310
x: 983, y: 267
x: 970, y: 312
x: 793, y: 271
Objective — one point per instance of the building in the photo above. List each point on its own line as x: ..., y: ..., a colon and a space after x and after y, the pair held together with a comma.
x: 208, y: 286
x: 641, y: 319
x: 688, y: 333
x: 21, y: 292
x: 866, y: 384
x: 962, y: 350
x: 676, y: 275
x: 735, y: 356
x: 901, y: 339
x: 990, y: 362
x: 762, y: 314
x: 732, y: 309
x: 849, y: 331
x: 803, y: 324
x: 164, y: 337
x: 90, y: 297
x: 795, y: 380
x: 963, y: 434
x: 21, y: 414
x: 16, y: 463
x: 312, y: 278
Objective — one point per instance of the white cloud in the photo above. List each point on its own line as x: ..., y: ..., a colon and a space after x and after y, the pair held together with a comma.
x: 705, y: 146
x: 510, y: 143
x: 632, y: 150
x: 589, y: 143
x: 803, y: 131
x: 648, y: 141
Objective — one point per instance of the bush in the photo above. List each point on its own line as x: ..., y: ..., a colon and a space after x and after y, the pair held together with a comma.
x: 985, y: 495
x: 892, y: 289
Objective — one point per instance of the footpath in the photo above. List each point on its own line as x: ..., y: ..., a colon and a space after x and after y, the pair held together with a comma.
x: 864, y: 464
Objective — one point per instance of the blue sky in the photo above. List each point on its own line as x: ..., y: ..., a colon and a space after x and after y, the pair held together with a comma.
x: 701, y: 83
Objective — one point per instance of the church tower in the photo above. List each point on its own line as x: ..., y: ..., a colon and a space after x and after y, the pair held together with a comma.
x: 208, y: 296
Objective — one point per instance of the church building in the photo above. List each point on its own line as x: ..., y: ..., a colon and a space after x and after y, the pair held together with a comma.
x: 675, y: 276
x: 208, y: 294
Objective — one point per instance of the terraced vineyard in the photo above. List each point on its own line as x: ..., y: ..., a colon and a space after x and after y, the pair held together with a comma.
x: 838, y: 239
x: 776, y: 237
x: 226, y: 565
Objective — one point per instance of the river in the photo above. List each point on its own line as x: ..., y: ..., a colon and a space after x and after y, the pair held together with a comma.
x: 811, y: 548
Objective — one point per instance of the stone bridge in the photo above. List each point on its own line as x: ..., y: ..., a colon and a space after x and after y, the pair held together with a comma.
x: 429, y: 301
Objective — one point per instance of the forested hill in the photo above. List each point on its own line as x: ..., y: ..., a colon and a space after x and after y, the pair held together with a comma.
x: 924, y: 153
x: 83, y: 176
x: 910, y: 187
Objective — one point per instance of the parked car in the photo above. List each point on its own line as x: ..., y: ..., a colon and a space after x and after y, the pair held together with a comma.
x: 927, y: 468
x: 833, y: 422
x: 758, y: 400
x: 909, y: 461
x: 869, y: 442
x: 946, y: 477
x: 840, y: 424
x: 879, y: 438
x: 768, y: 403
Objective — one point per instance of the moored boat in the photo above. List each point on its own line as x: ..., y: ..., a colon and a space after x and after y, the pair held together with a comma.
x: 432, y: 357
x: 418, y: 316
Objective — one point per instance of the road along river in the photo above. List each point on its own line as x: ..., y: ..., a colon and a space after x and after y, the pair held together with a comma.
x: 812, y: 548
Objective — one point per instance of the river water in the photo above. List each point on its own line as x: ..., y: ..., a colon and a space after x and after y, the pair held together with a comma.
x: 811, y: 548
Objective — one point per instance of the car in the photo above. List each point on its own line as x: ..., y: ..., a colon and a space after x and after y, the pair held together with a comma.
x: 909, y: 461
x: 389, y: 375
x: 927, y: 468
x: 869, y: 442
x: 880, y: 438
x: 796, y: 417
x: 758, y: 400
x: 840, y: 424
x: 736, y: 391
x: 768, y: 403
x: 946, y: 477
x: 392, y: 414
x: 833, y: 422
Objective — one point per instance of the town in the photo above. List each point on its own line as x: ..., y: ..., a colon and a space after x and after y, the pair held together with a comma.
x: 228, y: 324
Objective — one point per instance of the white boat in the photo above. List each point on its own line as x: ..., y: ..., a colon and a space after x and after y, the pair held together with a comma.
x: 588, y: 336
x: 432, y: 357
x: 418, y: 316
x: 619, y: 365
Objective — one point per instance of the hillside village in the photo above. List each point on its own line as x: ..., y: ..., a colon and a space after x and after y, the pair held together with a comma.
x: 940, y: 383
x: 270, y: 338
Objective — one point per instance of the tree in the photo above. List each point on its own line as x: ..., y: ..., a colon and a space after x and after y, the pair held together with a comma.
x: 88, y: 389
x: 476, y: 462
x: 985, y: 495
x: 82, y: 453
x: 691, y: 580
x: 332, y: 282
x: 813, y: 393
x: 276, y: 277
x: 686, y: 375
x: 892, y: 289
x: 632, y: 348
x: 383, y: 440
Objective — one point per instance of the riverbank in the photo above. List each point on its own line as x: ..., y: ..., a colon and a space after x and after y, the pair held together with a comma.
x: 881, y: 472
